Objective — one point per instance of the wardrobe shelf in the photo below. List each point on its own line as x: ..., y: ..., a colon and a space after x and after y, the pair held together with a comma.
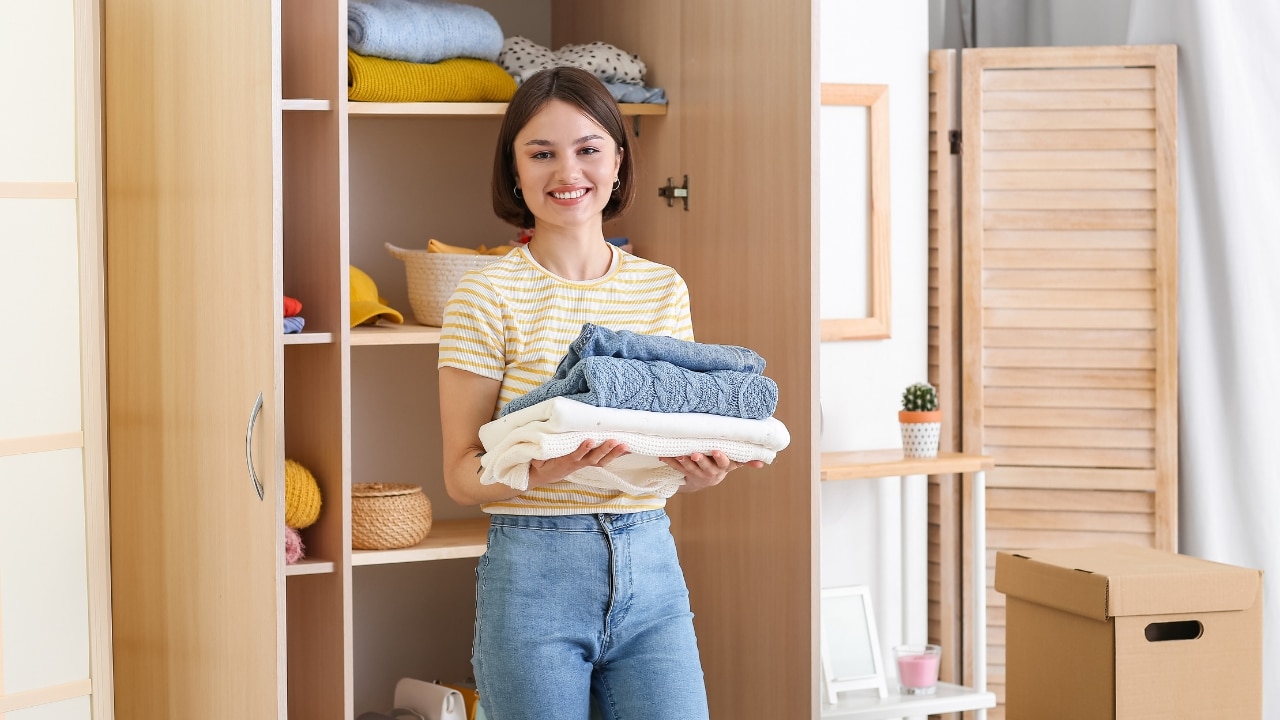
x: 409, y: 333
x: 308, y: 338
x: 309, y: 567
x: 304, y: 104
x: 448, y: 539
x: 383, y: 109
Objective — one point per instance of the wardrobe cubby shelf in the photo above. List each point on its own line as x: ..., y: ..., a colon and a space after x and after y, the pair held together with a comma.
x: 306, y: 338
x: 461, y: 109
x: 409, y: 333
x: 309, y: 567
x: 448, y: 540
x: 310, y: 104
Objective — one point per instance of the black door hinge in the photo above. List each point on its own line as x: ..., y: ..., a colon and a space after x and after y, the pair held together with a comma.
x: 957, y: 146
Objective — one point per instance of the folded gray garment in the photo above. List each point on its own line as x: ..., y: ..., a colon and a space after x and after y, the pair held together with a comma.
x: 658, y: 386
x: 422, y: 31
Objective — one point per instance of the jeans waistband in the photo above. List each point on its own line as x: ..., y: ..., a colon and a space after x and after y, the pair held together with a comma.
x: 579, y: 523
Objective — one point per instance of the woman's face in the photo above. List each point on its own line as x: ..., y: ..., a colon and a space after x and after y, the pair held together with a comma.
x: 565, y: 166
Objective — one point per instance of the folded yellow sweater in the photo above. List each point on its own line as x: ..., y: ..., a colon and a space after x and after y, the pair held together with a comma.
x: 372, y: 79
x: 435, y: 246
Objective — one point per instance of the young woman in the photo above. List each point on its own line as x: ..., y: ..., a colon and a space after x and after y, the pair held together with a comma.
x: 580, y: 597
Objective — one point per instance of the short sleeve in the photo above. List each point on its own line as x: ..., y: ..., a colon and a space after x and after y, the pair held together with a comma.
x: 472, y: 337
x: 684, y: 319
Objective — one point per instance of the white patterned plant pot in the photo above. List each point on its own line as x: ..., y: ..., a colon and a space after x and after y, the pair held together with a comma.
x: 920, y: 439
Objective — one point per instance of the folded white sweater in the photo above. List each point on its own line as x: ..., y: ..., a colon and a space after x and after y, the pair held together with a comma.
x: 557, y: 426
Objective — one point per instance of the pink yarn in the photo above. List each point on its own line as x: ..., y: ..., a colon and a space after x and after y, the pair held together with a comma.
x: 292, y: 546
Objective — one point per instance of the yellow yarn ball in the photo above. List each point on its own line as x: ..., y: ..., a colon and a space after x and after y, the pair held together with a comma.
x: 301, y: 496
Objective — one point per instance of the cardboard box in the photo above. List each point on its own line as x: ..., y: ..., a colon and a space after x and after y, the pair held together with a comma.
x: 1130, y: 633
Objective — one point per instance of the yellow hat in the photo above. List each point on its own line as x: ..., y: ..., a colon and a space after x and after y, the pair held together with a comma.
x: 366, y: 304
x: 301, y: 496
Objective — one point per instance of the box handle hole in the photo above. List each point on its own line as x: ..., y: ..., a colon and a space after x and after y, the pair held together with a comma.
x: 1179, y: 630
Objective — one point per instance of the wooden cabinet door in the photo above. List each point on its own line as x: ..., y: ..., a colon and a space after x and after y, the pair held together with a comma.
x: 193, y: 299
x: 740, y: 79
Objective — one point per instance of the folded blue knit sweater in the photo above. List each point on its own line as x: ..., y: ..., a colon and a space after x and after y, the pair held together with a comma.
x: 658, y: 386
x: 422, y: 31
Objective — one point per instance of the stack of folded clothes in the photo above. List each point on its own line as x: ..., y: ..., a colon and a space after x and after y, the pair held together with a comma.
x: 659, y: 396
x: 621, y: 72
x: 293, y: 320
x: 424, y: 51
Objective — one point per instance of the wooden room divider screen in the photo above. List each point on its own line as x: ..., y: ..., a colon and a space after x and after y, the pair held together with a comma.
x: 1066, y: 293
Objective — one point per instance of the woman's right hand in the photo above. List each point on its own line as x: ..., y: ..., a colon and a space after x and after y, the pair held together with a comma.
x: 588, y: 454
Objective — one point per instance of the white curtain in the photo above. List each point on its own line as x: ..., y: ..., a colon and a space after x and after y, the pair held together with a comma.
x: 1229, y: 255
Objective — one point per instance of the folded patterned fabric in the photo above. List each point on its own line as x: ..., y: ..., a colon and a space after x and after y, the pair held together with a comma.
x: 422, y: 31
x: 658, y: 386
x: 556, y: 427
x: 294, y: 324
x: 372, y: 79
x: 523, y: 57
x: 599, y: 341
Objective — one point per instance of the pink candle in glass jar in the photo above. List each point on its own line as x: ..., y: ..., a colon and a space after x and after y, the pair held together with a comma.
x: 918, y: 667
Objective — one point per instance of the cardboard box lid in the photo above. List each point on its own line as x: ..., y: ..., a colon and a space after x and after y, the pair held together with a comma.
x: 1115, y: 581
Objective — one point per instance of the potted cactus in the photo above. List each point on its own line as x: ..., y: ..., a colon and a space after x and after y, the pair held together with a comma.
x: 921, y: 421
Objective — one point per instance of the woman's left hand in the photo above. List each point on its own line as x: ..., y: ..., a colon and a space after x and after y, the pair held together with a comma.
x: 705, y: 470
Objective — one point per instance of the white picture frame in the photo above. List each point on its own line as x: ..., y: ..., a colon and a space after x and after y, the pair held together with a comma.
x: 850, y: 644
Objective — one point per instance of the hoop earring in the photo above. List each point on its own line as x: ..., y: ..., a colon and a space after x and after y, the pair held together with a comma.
x: 617, y: 183
x: 516, y: 190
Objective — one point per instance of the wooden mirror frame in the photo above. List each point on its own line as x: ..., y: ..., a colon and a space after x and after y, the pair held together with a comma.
x: 875, y: 326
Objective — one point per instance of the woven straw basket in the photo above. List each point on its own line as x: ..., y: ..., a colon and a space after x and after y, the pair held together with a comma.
x: 385, y: 516
x: 433, y: 277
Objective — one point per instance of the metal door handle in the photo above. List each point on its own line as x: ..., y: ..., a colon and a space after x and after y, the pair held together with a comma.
x: 248, y: 446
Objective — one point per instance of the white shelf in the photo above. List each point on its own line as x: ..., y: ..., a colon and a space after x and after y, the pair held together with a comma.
x: 308, y: 338
x: 309, y: 104
x: 865, y: 705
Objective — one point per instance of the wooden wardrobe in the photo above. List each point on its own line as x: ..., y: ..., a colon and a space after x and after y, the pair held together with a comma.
x: 237, y: 173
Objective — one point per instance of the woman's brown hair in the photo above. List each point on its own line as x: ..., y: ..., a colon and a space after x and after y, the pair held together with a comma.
x: 582, y: 90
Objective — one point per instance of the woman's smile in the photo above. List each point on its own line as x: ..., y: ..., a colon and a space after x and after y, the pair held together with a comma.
x: 569, y: 196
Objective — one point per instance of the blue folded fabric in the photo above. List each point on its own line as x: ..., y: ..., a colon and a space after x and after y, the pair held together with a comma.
x: 294, y: 324
x: 598, y: 341
x: 422, y: 31
x: 628, y: 93
x: 658, y: 386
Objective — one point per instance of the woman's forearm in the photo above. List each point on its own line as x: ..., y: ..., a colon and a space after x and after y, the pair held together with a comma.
x: 462, y: 480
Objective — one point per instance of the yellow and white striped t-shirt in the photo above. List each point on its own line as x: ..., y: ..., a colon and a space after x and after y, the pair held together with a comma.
x: 513, y: 321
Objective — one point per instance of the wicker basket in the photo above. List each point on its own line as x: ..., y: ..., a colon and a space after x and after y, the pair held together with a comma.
x: 433, y: 277
x: 386, y: 516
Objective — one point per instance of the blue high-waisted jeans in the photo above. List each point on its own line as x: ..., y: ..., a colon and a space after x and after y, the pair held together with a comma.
x: 581, y: 610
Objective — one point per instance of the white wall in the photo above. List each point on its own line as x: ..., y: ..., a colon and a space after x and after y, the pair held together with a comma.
x: 873, y: 42
x: 53, y: 573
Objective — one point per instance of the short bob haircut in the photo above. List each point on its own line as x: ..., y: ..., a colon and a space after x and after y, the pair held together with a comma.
x: 582, y: 90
